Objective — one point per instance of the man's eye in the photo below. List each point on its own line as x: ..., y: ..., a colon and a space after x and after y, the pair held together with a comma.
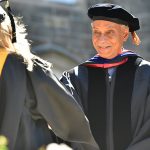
x: 110, y: 32
x: 96, y: 32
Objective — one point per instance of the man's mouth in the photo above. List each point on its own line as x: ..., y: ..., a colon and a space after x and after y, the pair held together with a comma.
x: 104, y: 47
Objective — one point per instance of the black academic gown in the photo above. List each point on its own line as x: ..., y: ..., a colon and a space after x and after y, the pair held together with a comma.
x: 118, y: 111
x: 30, y: 101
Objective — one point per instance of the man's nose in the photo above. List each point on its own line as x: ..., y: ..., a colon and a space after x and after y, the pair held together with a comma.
x: 102, y: 37
x: 102, y: 40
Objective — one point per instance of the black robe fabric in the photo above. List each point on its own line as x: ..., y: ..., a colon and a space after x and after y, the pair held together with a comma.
x: 32, y: 100
x: 118, y: 111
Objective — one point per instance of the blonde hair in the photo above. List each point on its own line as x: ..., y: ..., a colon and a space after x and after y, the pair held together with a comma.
x: 21, y: 46
x: 135, y: 38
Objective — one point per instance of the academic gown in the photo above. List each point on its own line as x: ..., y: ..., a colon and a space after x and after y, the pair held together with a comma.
x: 32, y: 100
x: 118, y: 111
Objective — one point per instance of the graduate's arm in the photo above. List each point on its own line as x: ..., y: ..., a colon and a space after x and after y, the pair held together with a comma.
x: 58, y: 107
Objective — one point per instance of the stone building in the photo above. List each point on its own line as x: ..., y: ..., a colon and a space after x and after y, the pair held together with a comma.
x: 60, y: 29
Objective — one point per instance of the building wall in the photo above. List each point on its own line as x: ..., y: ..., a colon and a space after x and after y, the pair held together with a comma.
x: 56, y: 29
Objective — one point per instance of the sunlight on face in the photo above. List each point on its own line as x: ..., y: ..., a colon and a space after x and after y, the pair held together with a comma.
x: 108, y: 38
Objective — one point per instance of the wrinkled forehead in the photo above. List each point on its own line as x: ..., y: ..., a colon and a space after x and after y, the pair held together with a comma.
x: 104, y: 23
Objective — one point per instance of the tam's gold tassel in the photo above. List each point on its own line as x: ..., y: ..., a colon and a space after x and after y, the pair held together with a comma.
x: 136, y: 40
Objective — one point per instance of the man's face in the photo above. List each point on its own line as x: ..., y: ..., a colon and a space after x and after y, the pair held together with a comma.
x: 108, y: 38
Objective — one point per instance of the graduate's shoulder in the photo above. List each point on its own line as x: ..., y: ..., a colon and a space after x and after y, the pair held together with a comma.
x: 144, y: 64
x: 14, y: 59
x: 143, y: 70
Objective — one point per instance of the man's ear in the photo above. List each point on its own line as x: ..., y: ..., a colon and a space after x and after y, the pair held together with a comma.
x: 91, y: 24
x: 125, y: 32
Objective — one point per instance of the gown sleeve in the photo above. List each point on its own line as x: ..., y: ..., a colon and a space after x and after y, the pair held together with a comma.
x: 142, y: 140
x: 59, y: 108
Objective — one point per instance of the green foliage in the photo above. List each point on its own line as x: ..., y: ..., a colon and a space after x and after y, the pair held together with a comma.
x: 3, y: 143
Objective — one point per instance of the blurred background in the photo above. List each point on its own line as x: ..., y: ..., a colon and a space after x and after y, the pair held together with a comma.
x: 60, y: 31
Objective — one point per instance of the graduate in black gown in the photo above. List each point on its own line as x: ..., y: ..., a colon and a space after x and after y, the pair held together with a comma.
x: 31, y: 97
x: 114, y: 85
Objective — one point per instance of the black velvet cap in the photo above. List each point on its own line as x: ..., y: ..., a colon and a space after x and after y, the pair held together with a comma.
x: 2, y: 15
x: 9, y: 13
x: 113, y: 13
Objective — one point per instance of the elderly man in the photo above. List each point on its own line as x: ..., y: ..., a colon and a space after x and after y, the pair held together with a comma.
x: 114, y: 85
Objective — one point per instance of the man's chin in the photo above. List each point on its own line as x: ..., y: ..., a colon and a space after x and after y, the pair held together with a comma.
x: 106, y: 56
